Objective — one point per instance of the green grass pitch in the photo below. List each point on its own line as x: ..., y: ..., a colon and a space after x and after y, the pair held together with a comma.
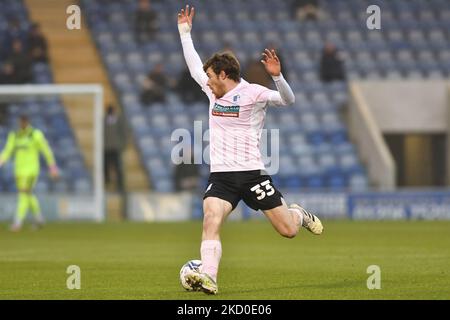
x: 142, y: 261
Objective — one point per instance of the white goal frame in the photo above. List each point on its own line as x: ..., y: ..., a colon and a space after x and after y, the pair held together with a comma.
x: 75, y: 90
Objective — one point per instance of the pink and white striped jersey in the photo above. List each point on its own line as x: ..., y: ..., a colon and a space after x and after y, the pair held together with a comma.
x: 236, y: 120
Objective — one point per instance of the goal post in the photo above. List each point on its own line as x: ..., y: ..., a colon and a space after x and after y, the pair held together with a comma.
x: 13, y: 93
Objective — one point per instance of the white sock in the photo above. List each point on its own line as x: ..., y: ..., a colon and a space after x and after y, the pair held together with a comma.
x: 299, y: 213
x: 211, y: 252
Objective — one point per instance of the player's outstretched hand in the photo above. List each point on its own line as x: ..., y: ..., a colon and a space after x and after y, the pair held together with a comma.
x: 186, y: 15
x: 271, y: 62
x: 54, y: 172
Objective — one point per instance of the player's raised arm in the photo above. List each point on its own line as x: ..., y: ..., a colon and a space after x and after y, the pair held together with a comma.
x: 193, y: 61
x: 284, y: 96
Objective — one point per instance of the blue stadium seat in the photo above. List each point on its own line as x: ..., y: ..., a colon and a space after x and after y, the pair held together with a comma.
x: 337, y: 181
x: 358, y: 182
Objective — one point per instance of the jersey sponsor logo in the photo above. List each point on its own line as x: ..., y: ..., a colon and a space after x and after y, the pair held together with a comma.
x: 24, y: 144
x: 22, y: 147
x: 225, y: 111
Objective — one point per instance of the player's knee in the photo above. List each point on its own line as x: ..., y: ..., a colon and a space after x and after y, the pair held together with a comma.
x: 288, y: 232
x: 211, y: 219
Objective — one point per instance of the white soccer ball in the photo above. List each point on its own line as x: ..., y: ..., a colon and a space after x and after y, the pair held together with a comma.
x: 187, y: 268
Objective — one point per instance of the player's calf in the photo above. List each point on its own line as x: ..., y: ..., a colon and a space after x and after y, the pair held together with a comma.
x: 285, y: 221
x: 215, y: 211
x: 211, y: 225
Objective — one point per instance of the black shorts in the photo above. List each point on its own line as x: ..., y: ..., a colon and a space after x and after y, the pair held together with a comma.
x: 254, y: 187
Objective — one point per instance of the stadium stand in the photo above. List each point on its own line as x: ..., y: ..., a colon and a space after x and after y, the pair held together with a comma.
x: 46, y: 114
x: 316, y: 151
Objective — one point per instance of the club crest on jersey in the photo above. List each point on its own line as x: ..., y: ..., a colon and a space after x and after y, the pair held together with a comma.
x: 236, y: 98
x: 225, y: 111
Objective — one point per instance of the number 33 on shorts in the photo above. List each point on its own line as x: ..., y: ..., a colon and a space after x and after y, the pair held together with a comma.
x: 263, y: 189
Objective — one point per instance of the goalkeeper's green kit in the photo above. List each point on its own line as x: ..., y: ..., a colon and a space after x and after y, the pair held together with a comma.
x: 25, y: 145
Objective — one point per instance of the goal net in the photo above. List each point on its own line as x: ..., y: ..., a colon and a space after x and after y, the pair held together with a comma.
x: 71, y: 119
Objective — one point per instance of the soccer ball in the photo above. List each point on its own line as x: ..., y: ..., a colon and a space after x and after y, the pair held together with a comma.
x: 187, y: 268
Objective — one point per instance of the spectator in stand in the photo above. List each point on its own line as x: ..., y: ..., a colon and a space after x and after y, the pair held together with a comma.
x: 115, y: 142
x: 155, y: 86
x: 21, y: 63
x: 331, y: 64
x: 7, y: 74
x: 305, y: 10
x: 256, y: 73
x: 37, y: 44
x: 13, y: 32
x: 187, y: 175
x: 145, y: 23
x: 188, y: 91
